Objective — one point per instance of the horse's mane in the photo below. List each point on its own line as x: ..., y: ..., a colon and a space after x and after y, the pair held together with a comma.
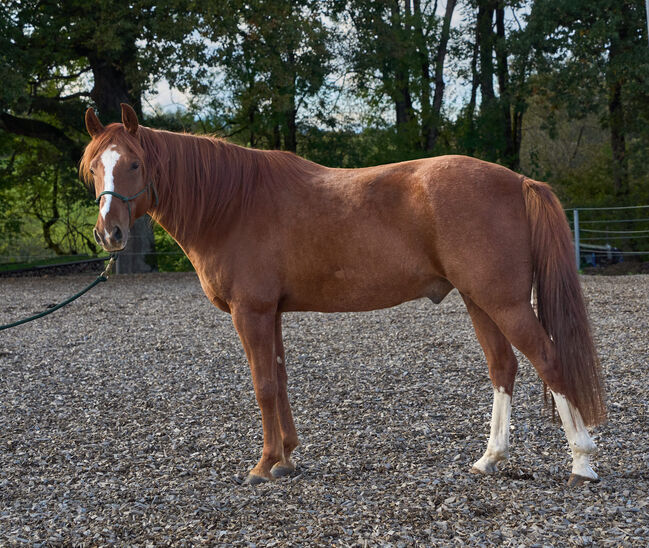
x: 202, y: 181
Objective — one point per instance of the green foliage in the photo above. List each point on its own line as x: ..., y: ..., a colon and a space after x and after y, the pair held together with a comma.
x: 170, y: 256
x: 55, y: 58
x: 273, y: 57
x: 45, y: 206
x: 349, y: 148
x: 559, y: 91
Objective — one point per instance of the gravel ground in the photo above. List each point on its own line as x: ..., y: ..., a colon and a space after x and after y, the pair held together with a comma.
x: 129, y: 418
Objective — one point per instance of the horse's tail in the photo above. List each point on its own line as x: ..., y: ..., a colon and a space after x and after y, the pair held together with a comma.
x: 561, y: 307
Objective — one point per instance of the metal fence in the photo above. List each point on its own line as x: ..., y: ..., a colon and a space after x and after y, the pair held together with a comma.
x: 607, y: 235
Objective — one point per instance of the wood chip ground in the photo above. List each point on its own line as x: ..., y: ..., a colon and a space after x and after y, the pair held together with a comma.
x: 129, y: 418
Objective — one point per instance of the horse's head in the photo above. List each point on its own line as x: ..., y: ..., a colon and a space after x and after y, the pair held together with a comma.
x: 114, y: 162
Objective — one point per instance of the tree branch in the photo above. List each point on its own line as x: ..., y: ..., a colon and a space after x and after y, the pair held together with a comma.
x: 73, y: 76
x: 37, y: 129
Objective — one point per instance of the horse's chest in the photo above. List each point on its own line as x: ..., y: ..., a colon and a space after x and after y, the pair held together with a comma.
x: 213, y: 291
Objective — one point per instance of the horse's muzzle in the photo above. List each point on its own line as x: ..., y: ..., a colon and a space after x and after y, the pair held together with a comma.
x: 115, y: 240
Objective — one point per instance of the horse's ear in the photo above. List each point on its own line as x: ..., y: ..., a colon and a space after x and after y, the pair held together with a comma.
x: 93, y: 125
x: 129, y: 118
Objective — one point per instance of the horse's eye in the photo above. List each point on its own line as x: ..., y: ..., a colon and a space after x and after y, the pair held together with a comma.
x: 135, y: 165
x: 92, y: 171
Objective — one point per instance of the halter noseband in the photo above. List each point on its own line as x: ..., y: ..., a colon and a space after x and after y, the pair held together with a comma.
x: 128, y: 199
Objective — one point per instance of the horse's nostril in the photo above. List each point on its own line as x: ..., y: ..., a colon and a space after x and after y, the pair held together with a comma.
x: 117, y: 234
x: 97, y: 237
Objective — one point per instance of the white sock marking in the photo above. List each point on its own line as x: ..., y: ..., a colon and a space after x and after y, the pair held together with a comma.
x: 109, y: 158
x: 578, y: 438
x: 498, y: 445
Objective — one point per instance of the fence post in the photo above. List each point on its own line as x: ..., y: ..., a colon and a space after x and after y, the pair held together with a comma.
x: 575, y: 216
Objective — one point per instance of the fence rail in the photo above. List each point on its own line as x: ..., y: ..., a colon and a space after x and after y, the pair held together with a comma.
x: 634, y: 239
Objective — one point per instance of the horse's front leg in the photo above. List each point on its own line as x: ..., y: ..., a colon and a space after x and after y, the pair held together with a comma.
x: 287, y: 427
x: 257, y: 332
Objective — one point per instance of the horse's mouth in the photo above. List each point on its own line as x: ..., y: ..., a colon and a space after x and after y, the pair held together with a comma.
x: 111, y: 247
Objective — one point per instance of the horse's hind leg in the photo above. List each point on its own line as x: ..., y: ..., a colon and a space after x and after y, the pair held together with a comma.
x: 286, y: 424
x: 581, y: 445
x: 502, y: 371
x: 522, y: 328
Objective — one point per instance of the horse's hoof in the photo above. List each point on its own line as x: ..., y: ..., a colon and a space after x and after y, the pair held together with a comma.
x: 254, y: 479
x: 484, y: 469
x: 575, y: 480
x: 281, y: 470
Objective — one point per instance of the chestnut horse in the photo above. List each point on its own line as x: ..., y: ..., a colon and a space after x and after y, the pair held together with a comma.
x: 269, y: 232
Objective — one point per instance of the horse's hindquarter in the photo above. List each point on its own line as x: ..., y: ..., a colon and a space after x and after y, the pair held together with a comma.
x: 483, y: 238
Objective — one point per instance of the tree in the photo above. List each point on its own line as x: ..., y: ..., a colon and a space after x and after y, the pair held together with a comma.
x: 399, y: 52
x: 58, y: 56
x: 596, y: 59
x: 275, y: 56
x: 500, y: 68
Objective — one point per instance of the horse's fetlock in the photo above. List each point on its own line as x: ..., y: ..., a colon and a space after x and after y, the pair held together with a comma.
x: 271, y: 456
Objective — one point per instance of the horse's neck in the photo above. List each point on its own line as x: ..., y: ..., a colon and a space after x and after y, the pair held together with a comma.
x: 177, y: 186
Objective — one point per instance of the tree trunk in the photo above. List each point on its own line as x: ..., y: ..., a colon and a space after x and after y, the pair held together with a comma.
x: 110, y: 89
x: 277, y: 136
x: 290, y: 136
x: 475, y: 83
x: 618, y: 140
x: 517, y: 132
x: 438, y: 97
x: 427, y: 119
x: 399, y: 81
x: 138, y: 256
x: 486, y: 47
x: 509, y: 159
x: 402, y: 102
x: 252, y: 110
x: 616, y: 110
x: 47, y: 224
x: 290, y: 131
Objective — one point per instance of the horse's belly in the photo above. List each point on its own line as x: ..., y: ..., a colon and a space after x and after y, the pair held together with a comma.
x: 347, y: 290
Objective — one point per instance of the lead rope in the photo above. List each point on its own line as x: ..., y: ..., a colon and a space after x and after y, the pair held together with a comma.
x: 101, y: 278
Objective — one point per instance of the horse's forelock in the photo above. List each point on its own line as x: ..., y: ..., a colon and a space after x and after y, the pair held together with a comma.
x: 114, y: 134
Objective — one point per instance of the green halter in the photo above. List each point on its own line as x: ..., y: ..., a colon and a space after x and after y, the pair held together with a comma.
x: 128, y: 199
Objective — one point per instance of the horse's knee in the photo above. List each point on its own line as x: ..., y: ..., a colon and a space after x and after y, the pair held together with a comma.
x: 266, y: 392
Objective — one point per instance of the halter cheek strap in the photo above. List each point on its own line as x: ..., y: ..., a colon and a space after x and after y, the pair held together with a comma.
x: 127, y: 199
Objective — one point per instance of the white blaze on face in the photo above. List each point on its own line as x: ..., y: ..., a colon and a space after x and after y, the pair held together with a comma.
x: 109, y: 159
x: 498, y: 445
x: 578, y: 438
